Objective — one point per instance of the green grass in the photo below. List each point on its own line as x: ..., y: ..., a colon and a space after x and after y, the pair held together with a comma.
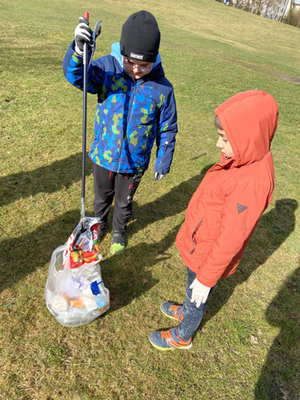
x: 248, y: 344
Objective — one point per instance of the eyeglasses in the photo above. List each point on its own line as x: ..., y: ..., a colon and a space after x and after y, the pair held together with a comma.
x: 130, y: 64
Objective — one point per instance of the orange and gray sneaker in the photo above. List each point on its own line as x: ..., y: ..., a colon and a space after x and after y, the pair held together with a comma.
x: 169, y: 340
x: 171, y: 310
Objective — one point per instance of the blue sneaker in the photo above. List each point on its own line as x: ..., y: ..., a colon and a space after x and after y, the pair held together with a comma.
x: 169, y: 340
x: 172, y: 311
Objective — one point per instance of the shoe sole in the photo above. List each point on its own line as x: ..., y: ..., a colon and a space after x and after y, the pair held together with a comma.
x: 116, y: 252
x: 171, y: 348
x: 169, y: 316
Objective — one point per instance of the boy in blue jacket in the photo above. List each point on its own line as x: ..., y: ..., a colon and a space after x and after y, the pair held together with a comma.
x: 135, y: 107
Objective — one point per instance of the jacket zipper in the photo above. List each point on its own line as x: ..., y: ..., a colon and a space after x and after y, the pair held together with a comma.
x: 192, y: 251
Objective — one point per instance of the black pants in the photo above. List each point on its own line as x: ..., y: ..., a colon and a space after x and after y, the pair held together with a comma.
x: 107, y: 185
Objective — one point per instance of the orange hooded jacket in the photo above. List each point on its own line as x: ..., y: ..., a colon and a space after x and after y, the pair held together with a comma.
x: 225, y: 209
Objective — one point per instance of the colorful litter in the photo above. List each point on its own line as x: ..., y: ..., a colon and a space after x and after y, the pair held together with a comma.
x: 75, y: 293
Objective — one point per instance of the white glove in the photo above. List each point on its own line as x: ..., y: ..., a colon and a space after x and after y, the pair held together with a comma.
x: 157, y: 176
x: 199, y: 292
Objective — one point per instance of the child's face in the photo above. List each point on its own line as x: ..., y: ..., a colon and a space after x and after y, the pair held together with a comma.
x: 136, y: 68
x: 224, y: 145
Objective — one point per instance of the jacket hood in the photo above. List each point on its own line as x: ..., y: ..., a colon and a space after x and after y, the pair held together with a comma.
x: 249, y: 120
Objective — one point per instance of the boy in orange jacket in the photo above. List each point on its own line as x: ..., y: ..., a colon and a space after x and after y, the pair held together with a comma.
x: 225, y: 209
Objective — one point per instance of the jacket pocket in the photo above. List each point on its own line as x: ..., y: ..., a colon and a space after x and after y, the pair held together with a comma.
x: 194, y: 234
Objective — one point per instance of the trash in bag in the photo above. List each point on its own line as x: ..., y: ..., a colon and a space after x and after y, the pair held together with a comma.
x: 75, y: 293
x: 82, y: 245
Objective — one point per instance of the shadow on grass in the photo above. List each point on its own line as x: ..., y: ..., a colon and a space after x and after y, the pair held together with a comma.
x: 47, y: 179
x: 280, y: 376
x: 22, y: 256
x: 129, y: 275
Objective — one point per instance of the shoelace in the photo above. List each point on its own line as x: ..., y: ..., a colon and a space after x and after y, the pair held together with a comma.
x: 166, y: 335
x: 174, y: 309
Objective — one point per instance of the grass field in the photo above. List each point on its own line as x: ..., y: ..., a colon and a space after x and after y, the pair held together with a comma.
x: 248, y: 345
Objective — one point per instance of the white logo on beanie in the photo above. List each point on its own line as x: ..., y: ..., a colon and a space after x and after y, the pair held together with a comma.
x: 136, y: 56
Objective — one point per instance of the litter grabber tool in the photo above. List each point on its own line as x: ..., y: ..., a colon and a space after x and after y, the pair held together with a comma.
x: 96, y: 32
x: 75, y: 293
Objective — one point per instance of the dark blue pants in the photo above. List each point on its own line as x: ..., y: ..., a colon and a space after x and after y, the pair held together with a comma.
x: 192, y: 315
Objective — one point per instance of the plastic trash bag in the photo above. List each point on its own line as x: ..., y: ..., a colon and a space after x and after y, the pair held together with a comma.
x: 74, y: 291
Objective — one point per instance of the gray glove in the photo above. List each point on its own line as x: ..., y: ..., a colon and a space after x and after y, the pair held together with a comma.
x: 84, y: 34
x: 157, y: 176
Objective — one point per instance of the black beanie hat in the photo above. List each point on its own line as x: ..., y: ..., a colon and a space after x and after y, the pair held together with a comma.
x: 140, y: 37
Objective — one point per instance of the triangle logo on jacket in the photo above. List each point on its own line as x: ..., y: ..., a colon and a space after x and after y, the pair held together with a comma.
x: 241, y: 208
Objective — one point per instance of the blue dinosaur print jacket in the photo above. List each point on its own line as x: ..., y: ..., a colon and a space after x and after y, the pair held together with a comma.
x: 130, y: 115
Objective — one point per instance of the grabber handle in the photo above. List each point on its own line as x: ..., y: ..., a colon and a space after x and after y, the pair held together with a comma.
x: 85, y: 57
